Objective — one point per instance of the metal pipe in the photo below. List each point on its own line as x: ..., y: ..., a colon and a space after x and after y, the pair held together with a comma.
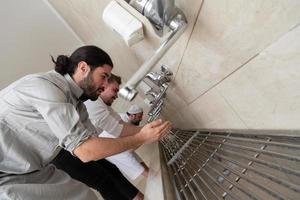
x: 156, y: 108
x: 177, y: 25
x: 159, y: 12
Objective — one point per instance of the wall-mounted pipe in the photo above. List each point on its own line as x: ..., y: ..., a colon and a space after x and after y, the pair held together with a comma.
x: 177, y: 26
x: 159, y: 12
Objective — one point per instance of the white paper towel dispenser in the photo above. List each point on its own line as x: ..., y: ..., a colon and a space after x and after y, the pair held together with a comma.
x: 123, y: 22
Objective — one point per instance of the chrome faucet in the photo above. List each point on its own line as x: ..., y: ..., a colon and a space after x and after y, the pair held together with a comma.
x: 157, y: 108
x: 154, y: 116
x: 153, y: 93
x: 161, y: 80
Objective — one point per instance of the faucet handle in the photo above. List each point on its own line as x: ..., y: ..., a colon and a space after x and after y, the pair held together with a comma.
x: 164, y: 75
x: 165, y: 71
x: 152, y: 92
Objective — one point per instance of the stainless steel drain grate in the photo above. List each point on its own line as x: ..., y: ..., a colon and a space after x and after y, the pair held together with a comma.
x: 226, y: 165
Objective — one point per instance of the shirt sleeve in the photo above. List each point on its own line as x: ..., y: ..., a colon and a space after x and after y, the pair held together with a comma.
x: 115, y: 115
x: 57, y: 108
x: 103, y: 119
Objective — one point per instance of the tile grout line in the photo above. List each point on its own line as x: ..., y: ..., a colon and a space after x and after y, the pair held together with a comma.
x: 242, y: 65
x: 190, y: 36
x: 216, y: 84
x: 227, y: 102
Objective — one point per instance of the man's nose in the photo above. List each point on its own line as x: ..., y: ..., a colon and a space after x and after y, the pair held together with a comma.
x: 105, y: 83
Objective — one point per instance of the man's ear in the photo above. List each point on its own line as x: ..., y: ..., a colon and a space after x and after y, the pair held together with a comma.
x: 83, y: 68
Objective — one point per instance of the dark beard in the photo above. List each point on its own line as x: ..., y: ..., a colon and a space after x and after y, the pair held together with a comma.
x: 83, y: 97
x: 136, y: 123
x: 89, y: 90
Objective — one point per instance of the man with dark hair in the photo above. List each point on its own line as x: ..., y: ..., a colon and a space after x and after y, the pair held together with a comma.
x: 42, y: 113
x: 109, y: 182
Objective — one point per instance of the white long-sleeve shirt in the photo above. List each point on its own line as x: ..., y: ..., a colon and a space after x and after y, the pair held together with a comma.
x: 124, y: 117
x: 105, y: 118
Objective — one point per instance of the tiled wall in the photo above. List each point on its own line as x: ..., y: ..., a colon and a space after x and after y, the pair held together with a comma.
x: 237, y: 65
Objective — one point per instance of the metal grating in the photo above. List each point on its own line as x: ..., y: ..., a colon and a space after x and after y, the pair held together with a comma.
x: 225, y: 165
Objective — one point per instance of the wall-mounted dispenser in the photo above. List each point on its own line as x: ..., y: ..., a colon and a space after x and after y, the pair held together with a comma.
x: 124, y: 23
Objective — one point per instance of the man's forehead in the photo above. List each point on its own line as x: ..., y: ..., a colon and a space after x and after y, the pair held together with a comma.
x: 103, y: 70
x: 114, y: 83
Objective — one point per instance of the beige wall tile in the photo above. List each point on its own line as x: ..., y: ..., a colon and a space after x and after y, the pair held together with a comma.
x: 173, y: 56
x: 265, y: 92
x: 213, y: 112
x: 228, y: 34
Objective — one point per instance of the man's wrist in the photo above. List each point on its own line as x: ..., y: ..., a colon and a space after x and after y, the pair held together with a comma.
x: 139, y: 139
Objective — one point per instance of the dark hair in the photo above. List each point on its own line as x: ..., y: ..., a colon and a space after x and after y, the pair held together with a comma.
x: 114, y: 77
x: 92, y: 55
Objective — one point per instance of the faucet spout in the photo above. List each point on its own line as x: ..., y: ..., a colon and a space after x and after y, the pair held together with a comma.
x: 153, y: 93
x: 160, y: 78
x: 152, y: 76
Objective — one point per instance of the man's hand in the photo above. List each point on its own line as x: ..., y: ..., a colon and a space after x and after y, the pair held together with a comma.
x: 95, y: 148
x: 154, y: 131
